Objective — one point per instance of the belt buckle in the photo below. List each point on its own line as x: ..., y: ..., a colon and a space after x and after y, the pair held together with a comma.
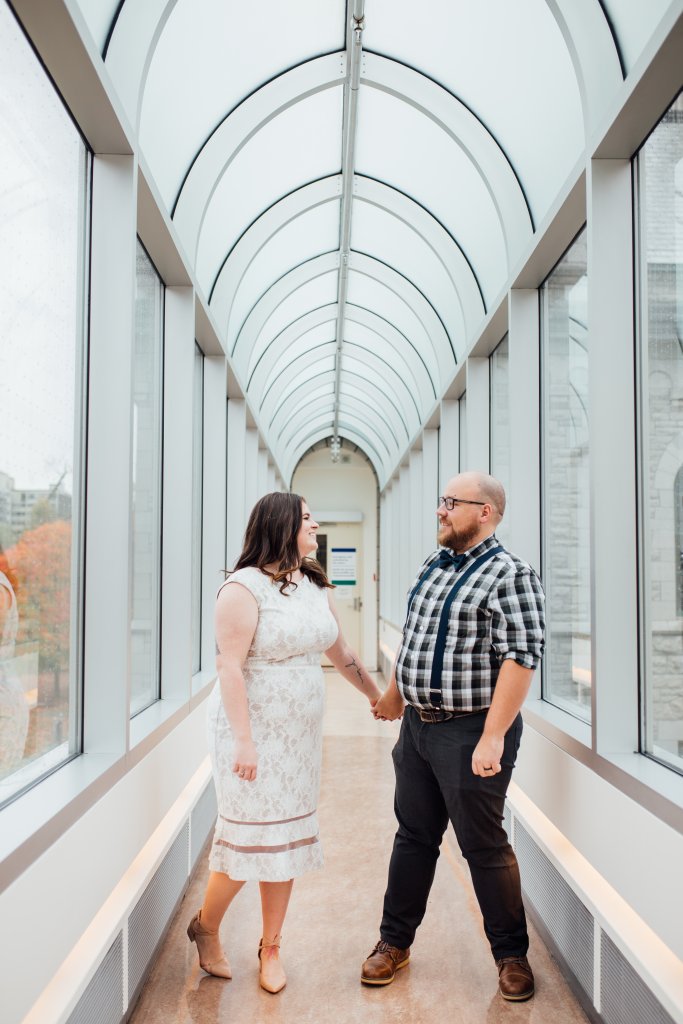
x: 433, y: 715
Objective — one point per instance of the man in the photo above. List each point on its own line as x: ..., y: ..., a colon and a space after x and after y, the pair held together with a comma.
x: 472, y: 639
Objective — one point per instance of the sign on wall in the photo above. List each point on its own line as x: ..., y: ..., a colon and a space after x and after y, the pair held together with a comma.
x: 343, y: 567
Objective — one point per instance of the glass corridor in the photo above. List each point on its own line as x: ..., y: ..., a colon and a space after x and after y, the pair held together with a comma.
x: 348, y: 249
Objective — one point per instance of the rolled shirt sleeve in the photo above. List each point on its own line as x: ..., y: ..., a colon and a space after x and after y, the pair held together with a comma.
x: 517, y: 607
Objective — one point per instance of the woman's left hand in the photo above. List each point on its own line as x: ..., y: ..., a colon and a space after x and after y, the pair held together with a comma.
x: 245, y: 760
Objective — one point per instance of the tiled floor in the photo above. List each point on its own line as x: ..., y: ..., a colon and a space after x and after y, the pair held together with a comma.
x: 333, y: 918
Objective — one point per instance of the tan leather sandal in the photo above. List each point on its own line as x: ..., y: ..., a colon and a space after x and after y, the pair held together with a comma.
x: 197, y: 933
x: 272, y: 977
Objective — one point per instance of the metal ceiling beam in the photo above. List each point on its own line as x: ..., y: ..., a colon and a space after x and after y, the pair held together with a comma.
x: 354, y: 51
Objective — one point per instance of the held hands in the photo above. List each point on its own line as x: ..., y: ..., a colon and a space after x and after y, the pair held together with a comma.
x: 487, y: 755
x: 245, y: 760
x: 389, y: 707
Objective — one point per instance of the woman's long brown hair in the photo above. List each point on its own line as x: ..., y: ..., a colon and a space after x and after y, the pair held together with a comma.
x: 270, y: 538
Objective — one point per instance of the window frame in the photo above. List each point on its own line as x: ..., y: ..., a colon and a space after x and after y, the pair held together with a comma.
x: 643, y: 433
x: 561, y: 708
x: 75, y: 737
x: 158, y: 645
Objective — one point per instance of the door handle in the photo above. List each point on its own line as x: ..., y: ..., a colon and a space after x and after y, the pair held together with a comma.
x: 357, y: 604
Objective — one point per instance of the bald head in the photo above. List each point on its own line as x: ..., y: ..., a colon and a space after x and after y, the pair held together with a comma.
x: 480, y: 487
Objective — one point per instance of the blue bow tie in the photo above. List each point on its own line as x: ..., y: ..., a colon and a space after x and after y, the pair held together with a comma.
x: 448, y: 559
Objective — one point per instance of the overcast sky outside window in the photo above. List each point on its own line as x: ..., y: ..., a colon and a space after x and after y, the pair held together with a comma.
x: 40, y: 175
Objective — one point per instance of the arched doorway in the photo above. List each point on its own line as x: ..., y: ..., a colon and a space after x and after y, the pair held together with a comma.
x: 343, y: 497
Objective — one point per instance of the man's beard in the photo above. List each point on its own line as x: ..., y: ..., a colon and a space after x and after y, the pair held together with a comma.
x: 457, y: 540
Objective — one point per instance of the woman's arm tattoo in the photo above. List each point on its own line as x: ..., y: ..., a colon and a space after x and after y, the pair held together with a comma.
x: 354, y: 664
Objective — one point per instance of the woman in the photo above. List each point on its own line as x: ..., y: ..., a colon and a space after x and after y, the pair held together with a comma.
x: 274, y: 618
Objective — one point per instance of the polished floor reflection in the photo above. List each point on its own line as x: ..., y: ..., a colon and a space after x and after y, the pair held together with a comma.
x: 333, y: 919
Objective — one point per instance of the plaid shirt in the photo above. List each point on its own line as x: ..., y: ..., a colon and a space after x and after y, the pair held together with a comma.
x: 496, y: 614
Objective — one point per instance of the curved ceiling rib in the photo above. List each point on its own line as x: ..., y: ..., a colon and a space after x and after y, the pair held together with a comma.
x: 370, y: 417
x: 376, y: 371
x: 232, y: 134
x: 131, y: 44
x: 286, y: 342
x: 594, y: 54
x: 445, y: 110
x: 436, y: 337
x: 254, y: 241
x: 280, y: 361
x: 292, y: 457
x: 434, y: 328
x: 287, y: 338
x: 279, y: 388
x: 354, y: 384
x: 468, y: 132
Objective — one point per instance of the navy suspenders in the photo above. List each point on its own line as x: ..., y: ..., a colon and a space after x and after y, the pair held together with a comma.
x: 442, y: 631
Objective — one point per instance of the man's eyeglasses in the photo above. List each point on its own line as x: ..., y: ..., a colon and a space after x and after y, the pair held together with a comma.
x: 450, y: 503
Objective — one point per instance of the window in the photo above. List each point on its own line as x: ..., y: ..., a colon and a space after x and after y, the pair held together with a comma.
x: 43, y: 234
x: 500, y: 424
x: 659, y: 167
x: 146, y: 483
x: 566, y: 522
x: 197, y: 505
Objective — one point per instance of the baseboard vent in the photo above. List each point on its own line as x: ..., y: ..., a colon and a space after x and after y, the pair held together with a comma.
x: 625, y: 997
x: 201, y: 822
x: 568, y: 921
x: 150, y: 917
x: 102, y: 1000
x: 111, y: 993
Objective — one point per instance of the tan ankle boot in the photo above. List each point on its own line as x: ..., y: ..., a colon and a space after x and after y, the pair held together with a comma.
x: 272, y: 977
x: 197, y: 933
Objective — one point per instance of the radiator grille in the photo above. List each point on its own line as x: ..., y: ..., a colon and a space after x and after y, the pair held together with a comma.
x: 102, y: 1000
x: 153, y: 910
x: 564, y: 915
x: 202, y: 820
x: 625, y: 997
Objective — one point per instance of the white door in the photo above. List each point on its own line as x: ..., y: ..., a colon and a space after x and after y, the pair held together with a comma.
x: 341, y: 554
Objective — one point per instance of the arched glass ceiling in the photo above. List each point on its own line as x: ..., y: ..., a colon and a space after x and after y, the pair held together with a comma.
x: 633, y: 24
x: 312, y: 234
x: 350, y: 241
x: 274, y: 162
x: 210, y: 57
x: 509, y: 63
x: 391, y: 241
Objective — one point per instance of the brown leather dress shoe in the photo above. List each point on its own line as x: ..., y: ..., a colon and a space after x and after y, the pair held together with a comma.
x: 515, y: 978
x: 382, y: 964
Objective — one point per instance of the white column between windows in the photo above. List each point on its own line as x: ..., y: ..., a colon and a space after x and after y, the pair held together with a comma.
x: 236, y: 482
x: 108, y: 498
x: 176, y: 597
x: 214, y: 506
x: 449, y: 435
x: 611, y: 389
x: 477, y: 455
x: 430, y: 490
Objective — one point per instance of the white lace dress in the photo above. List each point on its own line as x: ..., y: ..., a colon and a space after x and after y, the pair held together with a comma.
x: 268, y: 829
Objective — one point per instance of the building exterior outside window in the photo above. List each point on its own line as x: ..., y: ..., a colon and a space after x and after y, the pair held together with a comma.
x: 659, y: 171
x: 499, y: 406
x: 146, y: 483
x: 44, y: 171
x: 566, y: 521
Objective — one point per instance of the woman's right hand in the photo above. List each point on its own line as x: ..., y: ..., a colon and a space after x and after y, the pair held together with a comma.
x: 245, y: 760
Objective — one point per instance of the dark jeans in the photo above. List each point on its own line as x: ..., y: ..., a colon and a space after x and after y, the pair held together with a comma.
x: 435, y: 783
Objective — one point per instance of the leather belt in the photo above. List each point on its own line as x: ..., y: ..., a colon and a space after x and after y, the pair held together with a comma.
x: 439, y: 715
